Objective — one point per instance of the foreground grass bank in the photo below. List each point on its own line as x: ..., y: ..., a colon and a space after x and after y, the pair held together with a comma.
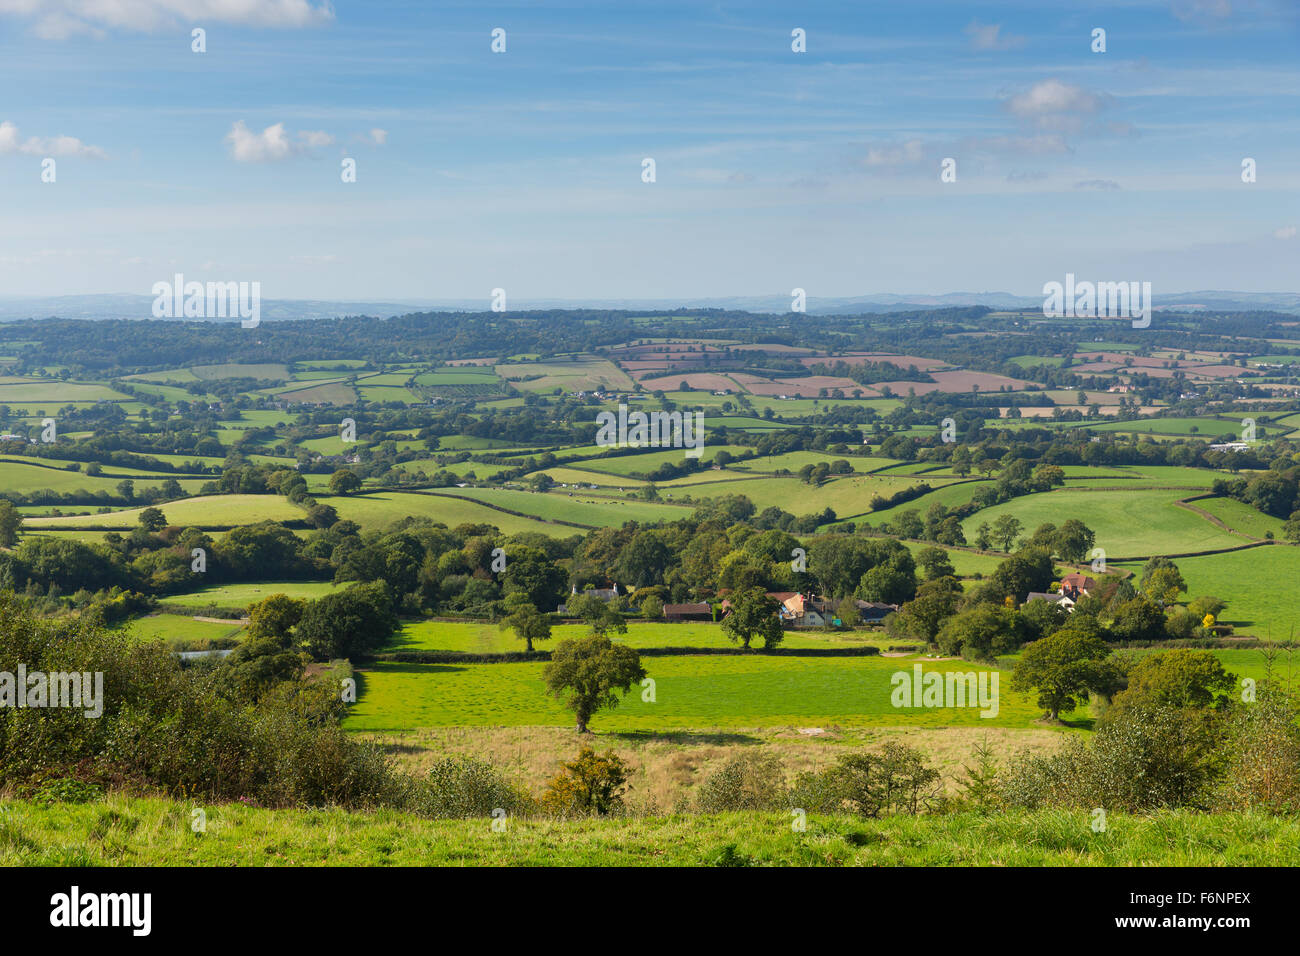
x: 122, y: 831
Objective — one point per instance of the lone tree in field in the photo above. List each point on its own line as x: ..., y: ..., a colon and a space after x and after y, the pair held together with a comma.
x: 753, y: 614
x: 586, y: 672
x: 1063, y: 668
x: 525, y: 620
x: 344, y: 482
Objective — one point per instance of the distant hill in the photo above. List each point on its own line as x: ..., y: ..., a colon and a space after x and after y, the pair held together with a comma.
x: 125, y: 306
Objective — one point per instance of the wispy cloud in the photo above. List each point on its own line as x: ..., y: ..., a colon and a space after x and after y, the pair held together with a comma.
x: 273, y: 143
x: 1052, y: 104
x: 901, y: 154
x: 989, y: 37
x: 249, y: 147
x: 59, y: 19
x: 315, y: 138
x: 1199, y: 11
x: 11, y: 142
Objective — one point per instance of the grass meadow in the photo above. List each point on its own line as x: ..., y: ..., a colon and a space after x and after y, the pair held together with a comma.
x: 242, y: 595
x: 134, y: 831
x: 203, y: 512
x: 1259, y: 585
x: 1137, y: 523
x: 690, y: 691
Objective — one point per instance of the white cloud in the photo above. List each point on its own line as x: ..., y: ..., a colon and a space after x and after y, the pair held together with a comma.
x: 249, y: 147
x: 896, y: 155
x: 11, y: 142
x: 1053, y: 105
x: 276, y: 143
x: 58, y: 19
x: 1286, y: 232
x: 989, y: 37
x: 1050, y: 97
x: 315, y: 138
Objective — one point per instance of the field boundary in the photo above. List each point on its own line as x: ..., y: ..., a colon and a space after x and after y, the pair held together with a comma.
x: 1213, y: 519
x: 508, y: 657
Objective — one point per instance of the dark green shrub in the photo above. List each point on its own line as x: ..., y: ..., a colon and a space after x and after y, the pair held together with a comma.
x: 749, y: 781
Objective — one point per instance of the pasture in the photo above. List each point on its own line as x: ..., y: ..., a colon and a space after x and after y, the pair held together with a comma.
x: 211, y: 511
x: 244, y: 594
x: 1136, y: 523
x: 1258, y: 584
x: 691, y: 691
x: 92, y: 834
x: 482, y: 637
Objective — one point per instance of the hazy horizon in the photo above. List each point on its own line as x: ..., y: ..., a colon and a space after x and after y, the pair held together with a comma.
x: 522, y: 170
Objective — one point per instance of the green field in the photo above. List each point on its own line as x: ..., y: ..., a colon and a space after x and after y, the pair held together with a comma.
x: 623, y: 465
x: 1207, y: 428
x: 269, y: 370
x: 575, y: 507
x: 850, y: 495
x: 153, y: 831
x: 208, y: 511
x: 379, y: 510
x: 174, y: 628
x: 1258, y: 584
x: 577, y: 375
x: 480, y: 637
x: 25, y: 478
x: 242, y: 595
x: 692, y: 691
x: 1242, y: 517
x: 58, y: 393
x: 951, y: 495
x: 459, y: 376
x: 1135, y: 523
x: 388, y: 393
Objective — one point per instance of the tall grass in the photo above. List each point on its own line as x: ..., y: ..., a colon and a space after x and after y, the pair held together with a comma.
x: 123, y: 831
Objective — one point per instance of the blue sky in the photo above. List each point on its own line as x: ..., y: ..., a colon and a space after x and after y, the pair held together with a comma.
x: 522, y: 170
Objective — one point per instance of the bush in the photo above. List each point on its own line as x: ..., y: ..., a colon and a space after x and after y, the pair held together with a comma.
x: 896, y: 780
x: 1261, y: 747
x: 1147, y: 758
x: 748, y: 781
x: 592, y: 783
x: 181, y: 729
x: 67, y: 790
x: 465, y: 787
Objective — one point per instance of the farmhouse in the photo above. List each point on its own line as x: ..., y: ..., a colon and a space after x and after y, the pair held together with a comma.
x: 799, y: 610
x: 604, y: 594
x: 1060, y: 599
x: 874, y: 612
x: 1075, y: 585
x: 688, y: 612
x: 807, y: 610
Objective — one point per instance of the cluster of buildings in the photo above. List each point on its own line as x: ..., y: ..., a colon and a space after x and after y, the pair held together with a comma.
x: 794, y: 608
x: 1073, y: 586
